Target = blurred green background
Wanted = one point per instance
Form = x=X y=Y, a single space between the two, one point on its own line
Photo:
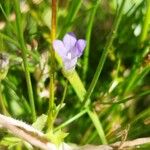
x=121 y=97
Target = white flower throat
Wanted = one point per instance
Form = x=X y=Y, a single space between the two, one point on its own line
x=69 y=55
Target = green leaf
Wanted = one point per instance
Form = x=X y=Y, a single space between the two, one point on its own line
x=9 y=141
x=57 y=137
x=40 y=122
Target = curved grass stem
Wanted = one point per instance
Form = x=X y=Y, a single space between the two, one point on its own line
x=98 y=126
x=62 y=100
x=24 y=56
x=109 y=42
x=80 y=114
x=88 y=38
x=143 y=36
x=74 y=8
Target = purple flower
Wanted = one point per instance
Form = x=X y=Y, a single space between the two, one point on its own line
x=69 y=49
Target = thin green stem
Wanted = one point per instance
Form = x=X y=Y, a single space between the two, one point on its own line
x=62 y=100
x=136 y=77
x=2 y=105
x=24 y=56
x=6 y=17
x=146 y=23
x=98 y=126
x=71 y=119
x=133 y=75
x=78 y=86
x=127 y=98
x=51 y=110
x=141 y=115
x=109 y=42
x=73 y=10
x=9 y=39
x=88 y=38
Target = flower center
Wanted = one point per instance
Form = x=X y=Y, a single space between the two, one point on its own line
x=69 y=55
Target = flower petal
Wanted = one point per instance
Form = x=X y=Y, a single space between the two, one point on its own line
x=74 y=52
x=69 y=64
x=80 y=45
x=69 y=41
x=59 y=47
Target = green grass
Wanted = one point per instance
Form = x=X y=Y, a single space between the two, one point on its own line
x=108 y=91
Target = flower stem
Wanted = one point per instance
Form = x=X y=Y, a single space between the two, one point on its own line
x=51 y=110
x=109 y=42
x=80 y=90
x=146 y=23
x=24 y=56
x=77 y=84
x=53 y=21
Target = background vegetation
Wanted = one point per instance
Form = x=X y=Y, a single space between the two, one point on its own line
x=117 y=35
